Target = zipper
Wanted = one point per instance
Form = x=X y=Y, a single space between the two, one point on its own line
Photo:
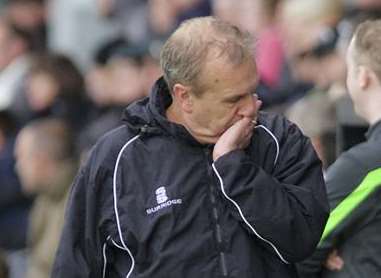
x=218 y=230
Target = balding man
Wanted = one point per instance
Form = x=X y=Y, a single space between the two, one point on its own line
x=197 y=183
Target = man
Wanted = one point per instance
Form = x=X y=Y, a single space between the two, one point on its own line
x=46 y=166
x=350 y=243
x=191 y=186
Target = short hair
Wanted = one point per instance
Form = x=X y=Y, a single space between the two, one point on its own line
x=63 y=71
x=53 y=137
x=367 y=44
x=187 y=50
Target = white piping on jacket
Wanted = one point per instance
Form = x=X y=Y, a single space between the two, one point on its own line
x=276 y=141
x=117 y=245
x=116 y=205
x=244 y=218
x=105 y=257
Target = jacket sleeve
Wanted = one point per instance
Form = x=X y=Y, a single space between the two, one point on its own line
x=79 y=253
x=286 y=209
x=348 y=184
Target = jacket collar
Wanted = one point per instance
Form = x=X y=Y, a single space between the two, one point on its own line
x=374 y=131
x=160 y=100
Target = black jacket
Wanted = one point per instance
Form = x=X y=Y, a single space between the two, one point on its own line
x=353 y=228
x=150 y=202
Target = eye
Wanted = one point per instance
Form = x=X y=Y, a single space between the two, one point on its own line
x=234 y=99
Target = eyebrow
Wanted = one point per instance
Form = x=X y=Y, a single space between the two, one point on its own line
x=251 y=90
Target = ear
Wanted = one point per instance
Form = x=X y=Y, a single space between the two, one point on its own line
x=364 y=77
x=183 y=97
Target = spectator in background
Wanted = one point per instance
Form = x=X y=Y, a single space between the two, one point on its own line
x=273 y=69
x=121 y=76
x=14 y=203
x=315 y=112
x=46 y=165
x=55 y=87
x=314 y=60
x=29 y=15
x=270 y=54
x=350 y=245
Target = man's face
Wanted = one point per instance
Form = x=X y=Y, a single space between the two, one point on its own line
x=228 y=97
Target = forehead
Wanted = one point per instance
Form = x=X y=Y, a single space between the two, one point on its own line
x=24 y=141
x=223 y=76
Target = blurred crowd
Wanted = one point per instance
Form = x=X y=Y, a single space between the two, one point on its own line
x=69 y=67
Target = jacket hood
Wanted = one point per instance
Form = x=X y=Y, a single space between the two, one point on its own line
x=148 y=114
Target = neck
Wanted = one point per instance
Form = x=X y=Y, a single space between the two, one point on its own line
x=173 y=115
x=374 y=119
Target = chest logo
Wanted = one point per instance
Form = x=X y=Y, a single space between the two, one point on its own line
x=163 y=201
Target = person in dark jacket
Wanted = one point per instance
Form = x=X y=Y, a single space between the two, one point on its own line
x=350 y=245
x=197 y=183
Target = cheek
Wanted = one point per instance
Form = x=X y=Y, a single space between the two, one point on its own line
x=351 y=83
x=30 y=178
x=228 y=116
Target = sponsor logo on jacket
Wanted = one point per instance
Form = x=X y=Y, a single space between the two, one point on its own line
x=163 y=201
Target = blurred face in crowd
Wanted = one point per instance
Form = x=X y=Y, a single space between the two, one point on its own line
x=41 y=92
x=98 y=85
x=27 y=15
x=29 y=162
x=124 y=71
x=226 y=97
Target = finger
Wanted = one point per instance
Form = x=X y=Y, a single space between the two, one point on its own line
x=246 y=140
x=334 y=262
x=259 y=104
x=339 y=263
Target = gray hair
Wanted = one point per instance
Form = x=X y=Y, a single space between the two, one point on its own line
x=187 y=50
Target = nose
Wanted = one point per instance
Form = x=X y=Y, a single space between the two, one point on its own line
x=249 y=106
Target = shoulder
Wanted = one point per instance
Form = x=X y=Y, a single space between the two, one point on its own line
x=280 y=127
x=282 y=140
x=103 y=155
x=356 y=163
